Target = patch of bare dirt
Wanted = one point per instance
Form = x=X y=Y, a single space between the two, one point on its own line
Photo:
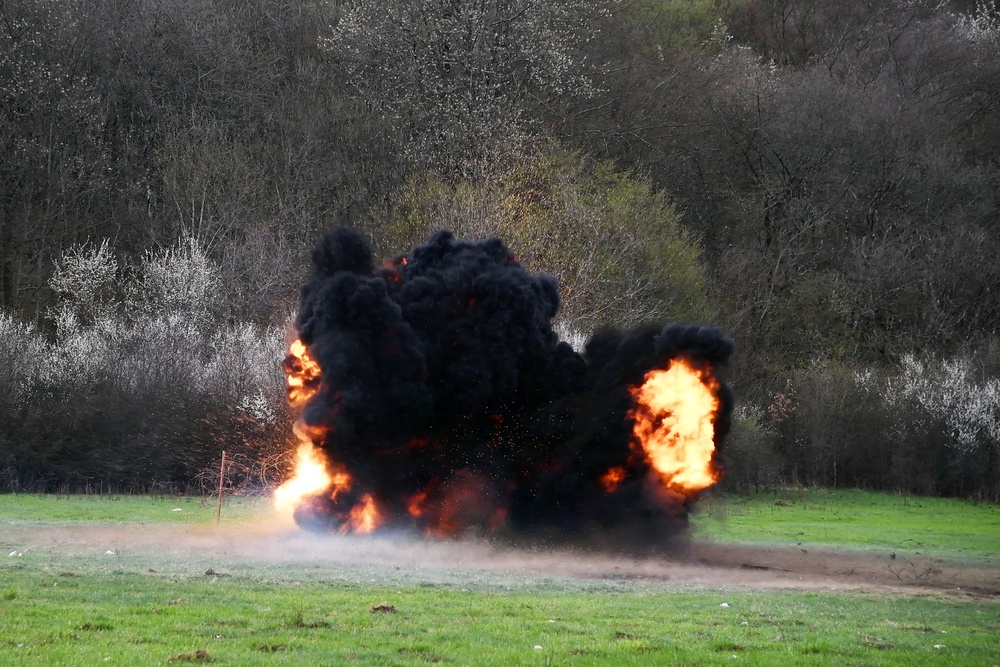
x=697 y=564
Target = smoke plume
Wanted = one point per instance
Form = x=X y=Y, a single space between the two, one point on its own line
x=450 y=401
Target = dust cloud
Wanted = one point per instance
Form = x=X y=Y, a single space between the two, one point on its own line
x=278 y=549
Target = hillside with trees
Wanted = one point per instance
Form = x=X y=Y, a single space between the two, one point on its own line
x=818 y=178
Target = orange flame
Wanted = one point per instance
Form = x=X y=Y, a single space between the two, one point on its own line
x=363 y=518
x=416 y=505
x=302 y=373
x=612 y=478
x=309 y=433
x=394 y=268
x=310 y=478
x=675 y=424
x=314 y=473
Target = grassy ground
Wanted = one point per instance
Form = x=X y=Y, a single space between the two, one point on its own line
x=63 y=605
x=120 y=509
x=944 y=527
x=258 y=617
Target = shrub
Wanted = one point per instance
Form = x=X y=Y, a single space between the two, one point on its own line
x=617 y=247
x=141 y=391
x=84 y=280
x=750 y=458
x=926 y=425
x=180 y=279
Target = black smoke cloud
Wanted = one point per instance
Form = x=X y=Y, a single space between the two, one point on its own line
x=449 y=399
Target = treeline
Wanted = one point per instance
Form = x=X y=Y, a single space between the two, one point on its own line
x=820 y=178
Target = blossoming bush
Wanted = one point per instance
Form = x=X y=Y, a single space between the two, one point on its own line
x=143 y=381
x=926 y=425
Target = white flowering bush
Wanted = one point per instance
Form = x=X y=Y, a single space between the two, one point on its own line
x=82 y=354
x=85 y=278
x=981 y=28
x=23 y=351
x=571 y=334
x=745 y=75
x=142 y=381
x=244 y=366
x=927 y=425
x=949 y=391
x=179 y=279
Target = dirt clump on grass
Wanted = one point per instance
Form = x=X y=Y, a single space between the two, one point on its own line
x=198 y=656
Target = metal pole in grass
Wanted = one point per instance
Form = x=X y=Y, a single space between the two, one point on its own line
x=222 y=478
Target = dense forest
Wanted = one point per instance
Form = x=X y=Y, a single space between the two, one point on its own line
x=818 y=178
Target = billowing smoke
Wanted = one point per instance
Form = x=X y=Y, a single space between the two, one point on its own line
x=450 y=401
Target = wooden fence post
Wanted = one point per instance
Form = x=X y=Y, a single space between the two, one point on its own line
x=222 y=478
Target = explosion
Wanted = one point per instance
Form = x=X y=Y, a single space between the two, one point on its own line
x=435 y=396
x=674 y=421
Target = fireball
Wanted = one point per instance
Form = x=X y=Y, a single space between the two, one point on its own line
x=310 y=478
x=315 y=475
x=674 y=424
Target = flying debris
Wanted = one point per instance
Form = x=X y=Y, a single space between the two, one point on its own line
x=435 y=396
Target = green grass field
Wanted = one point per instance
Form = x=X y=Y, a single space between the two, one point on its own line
x=119 y=509
x=65 y=604
x=943 y=527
